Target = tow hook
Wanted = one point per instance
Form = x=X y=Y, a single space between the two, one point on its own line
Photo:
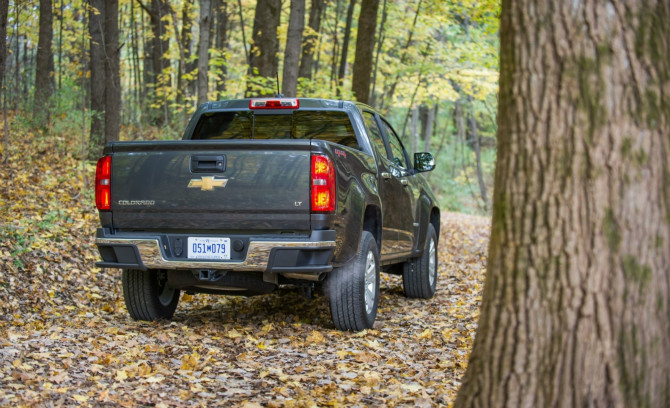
x=209 y=275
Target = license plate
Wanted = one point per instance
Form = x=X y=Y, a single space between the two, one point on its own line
x=208 y=248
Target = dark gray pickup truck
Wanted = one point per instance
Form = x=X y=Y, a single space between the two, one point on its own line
x=267 y=192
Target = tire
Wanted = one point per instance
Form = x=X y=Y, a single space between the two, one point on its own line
x=353 y=290
x=419 y=275
x=147 y=295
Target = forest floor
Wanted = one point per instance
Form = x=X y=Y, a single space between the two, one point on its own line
x=66 y=338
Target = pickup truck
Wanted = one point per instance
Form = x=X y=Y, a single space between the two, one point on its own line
x=264 y=193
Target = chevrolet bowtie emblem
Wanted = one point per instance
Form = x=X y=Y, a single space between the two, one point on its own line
x=207 y=183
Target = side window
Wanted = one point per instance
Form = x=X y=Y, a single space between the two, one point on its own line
x=396 y=147
x=375 y=134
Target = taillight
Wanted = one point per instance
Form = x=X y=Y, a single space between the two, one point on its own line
x=103 y=183
x=323 y=184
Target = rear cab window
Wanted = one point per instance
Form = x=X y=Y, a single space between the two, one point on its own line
x=330 y=126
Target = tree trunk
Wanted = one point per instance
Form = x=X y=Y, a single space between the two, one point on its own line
x=427 y=124
x=4 y=11
x=380 y=43
x=577 y=296
x=222 y=43
x=244 y=35
x=345 y=45
x=403 y=61
x=203 y=50
x=112 y=79
x=335 y=48
x=155 y=52
x=264 y=49
x=183 y=84
x=45 y=65
x=292 y=52
x=365 y=43
x=96 y=29
x=311 y=39
x=478 y=155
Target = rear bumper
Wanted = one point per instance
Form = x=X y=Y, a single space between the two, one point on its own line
x=299 y=258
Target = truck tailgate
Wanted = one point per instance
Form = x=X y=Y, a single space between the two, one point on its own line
x=207 y=185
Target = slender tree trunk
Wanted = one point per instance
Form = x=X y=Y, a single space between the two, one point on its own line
x=155 y=77
x=403 y=60
x=222 y=43
x=4 y=11
x=112 y=78
x=380 y=42
x=292 y=52
x=365 y=43
x=45 y=65
x=310 y=40
x=138 y=91
x=335 y=47
x=96 y=30
x=427 y=124
x=414 y=131
x=345 y=45
x=478 y=156
x=263 y=56
x=17 y=56
x=184 y=42
x=577 y=296
x=60 y=43
x=203 y=50
x=244 y=36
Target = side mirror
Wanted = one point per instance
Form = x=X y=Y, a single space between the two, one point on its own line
x=423 y=162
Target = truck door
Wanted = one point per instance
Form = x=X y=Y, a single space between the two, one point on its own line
x=395 y=192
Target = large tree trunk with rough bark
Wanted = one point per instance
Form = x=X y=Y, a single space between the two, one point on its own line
x=576 y=307
x=365 y=44
x=292 y=52
x=265 y=46
x=45 y=65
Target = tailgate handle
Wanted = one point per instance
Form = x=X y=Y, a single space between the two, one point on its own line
x=208 y=164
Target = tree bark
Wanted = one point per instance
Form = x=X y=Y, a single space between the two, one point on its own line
x=345 y=44
x=203 y=50
x=577 y=296
x=96 y=29
x=155 y=52
x=264 y=49
x=365 y=43
x=222 y=43
x=45 y=65
x=183 y=84
x=112 y=78
x=296 y=25
x=310 y=39
x=4 y=11
x=380 y=43
x=478 y=155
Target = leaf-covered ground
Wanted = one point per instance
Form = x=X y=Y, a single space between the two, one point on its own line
x=66 y=339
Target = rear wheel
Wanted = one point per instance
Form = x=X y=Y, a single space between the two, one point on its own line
x=147 y=294
x=419 y=276
x=353 y=290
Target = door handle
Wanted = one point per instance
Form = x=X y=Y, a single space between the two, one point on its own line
x=404 y=182
x=386 y=175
